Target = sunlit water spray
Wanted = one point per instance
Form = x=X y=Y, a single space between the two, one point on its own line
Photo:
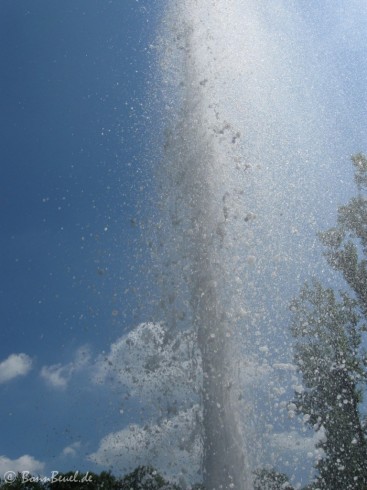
x=240 y=186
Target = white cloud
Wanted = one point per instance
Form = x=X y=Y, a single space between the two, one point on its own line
x=154 y=365
x=148 y=361
x=82 y=357
x=295 y=442
x=24 y=463
x=15 y=365
x=172 y=446
x=71 y=450
x=58 y=375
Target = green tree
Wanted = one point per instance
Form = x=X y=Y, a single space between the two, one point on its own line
x=142 y=478
x=271 y=480
x=346 y=244
x=328 y=329
x=19 y=483
x=146 y=478
x=328 y=356
x=81 y=481
x=107 y=481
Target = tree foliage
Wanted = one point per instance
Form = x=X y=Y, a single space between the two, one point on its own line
x=142 y=478
x=328 y=328
x=146 y=478
x=328 y=356
x=271 y=480
x=346 y=244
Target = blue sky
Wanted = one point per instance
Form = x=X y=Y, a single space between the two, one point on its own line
x=73 y=168
x=75 y=188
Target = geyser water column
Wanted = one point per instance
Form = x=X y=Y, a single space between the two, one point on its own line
x=202 y=201
x=234 y=187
